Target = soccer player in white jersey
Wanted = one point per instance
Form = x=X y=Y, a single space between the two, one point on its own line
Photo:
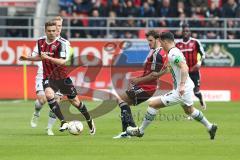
x=181 y=94
x=41 y=98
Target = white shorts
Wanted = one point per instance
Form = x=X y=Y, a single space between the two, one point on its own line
x=39 y=87
x=173 y=97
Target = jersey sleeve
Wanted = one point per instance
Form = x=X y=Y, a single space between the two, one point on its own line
x=35 y=51
x=159 y=61
x=64 y=51
x=176 y=56
x=200 y=49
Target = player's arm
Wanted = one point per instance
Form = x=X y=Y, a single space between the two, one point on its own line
x=64 y=54
x=35 y=56
x=28 y=58
x=58 y=61
x=158 y=70
x=184 y=74
x=200 y=56
x=159 y=74
x=179 y=61
x=144 y=79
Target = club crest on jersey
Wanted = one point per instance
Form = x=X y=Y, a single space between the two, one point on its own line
x=53 y=47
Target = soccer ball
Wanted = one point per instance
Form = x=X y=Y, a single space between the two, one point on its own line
x=75 y=127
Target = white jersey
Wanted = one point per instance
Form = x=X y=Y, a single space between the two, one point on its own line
x=39 y=63
x=174 y=57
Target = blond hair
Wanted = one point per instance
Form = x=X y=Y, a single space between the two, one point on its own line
x=58 y=18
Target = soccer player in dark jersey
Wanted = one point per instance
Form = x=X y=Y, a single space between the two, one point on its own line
x=41 y=98
x=193 y=52
x=142 y=87
x=54 y=54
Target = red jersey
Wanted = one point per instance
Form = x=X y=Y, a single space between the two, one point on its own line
x=190 y=50
x=56 y=49
x=156 y=61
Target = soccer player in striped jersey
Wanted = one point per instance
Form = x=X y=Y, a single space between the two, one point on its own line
x=181 y=94
x=144 y=86
x=194 y=53
x=41 y=98
x=54 y=54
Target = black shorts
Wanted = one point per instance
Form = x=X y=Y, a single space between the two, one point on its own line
x=65 y=86
x=195 y=76
x=138 y=95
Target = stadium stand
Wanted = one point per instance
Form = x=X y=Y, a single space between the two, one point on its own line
x=208 y=19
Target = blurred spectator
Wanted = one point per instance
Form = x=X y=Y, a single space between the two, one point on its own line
x=229 y=9
x=231 y=35
x=181 y=9
x=165 y=10
x=198 y=10
x=213 y=11
x=97 y=22
x=101 y=6
x=146 y=11
x=116 y=7
x=113 y=23
x=129 y=23
x=82 y=6
x=75 y=22
x=129 y=9
x=66 y=5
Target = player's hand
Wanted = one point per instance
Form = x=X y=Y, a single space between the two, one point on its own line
x=22 y=58
x=182 y=89
x=44 y=55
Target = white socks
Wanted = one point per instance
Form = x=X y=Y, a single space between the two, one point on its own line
x=51 y=122
x=149 y=117
x=198 y=116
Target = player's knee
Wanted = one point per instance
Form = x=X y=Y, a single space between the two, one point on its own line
x=49 y=94
x=153 y=104
x=196 y=90
x=188 y=110
x=42 y=100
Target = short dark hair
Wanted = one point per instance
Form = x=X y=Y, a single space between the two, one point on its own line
x=50 y=23
x=153 y=33
x=185 y=25
x=167 y=36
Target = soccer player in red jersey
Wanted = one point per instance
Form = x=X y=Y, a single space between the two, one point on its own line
x=193 y=52
x=142 y=87
x=54 y=54
x=41 y=98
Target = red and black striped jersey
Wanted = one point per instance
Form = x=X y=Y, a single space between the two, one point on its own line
x=156 y=61
x=57 y=49
x=190 y=50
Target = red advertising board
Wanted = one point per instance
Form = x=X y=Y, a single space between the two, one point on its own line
x=11 y=50
x=217 y=83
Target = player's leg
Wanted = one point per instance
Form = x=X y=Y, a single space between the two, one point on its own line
x=196 y=114
x=199 y=116
x=68 y=89
x=155 y=104
x=83 y=109
x=196 y=80
x=52 y=117
x=40 y=101
x=53 y=104
x=124 y=103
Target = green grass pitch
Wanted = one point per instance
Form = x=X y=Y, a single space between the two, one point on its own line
x=166 y=138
